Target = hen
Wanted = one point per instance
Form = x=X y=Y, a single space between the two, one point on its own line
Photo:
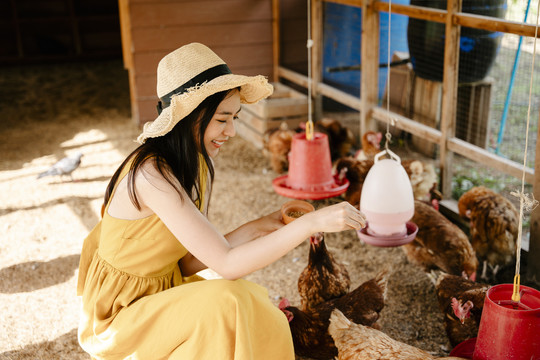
x=440 y=244
x=493 y=227
x=355 y=171
x=461 y=301
x=323 y=278
x=371 y=146
x=309 y=328
x=277 y=144
x=340 y=138
x=359 y=342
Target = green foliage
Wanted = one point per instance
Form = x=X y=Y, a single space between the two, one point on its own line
x=461 y=183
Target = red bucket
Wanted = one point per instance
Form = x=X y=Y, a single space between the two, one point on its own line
x=310 y=165
x=507 y=331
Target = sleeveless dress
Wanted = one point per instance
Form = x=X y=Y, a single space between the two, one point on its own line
x=137 y=305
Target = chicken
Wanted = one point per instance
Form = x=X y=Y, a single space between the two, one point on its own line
x=359 y=342
x=340 y=138
x=461 y=300
x=277 y=145
x=355 y=171
x=423 y=178
x=494 y=223
x=309 y=328
x=323 y=278
x=440 y=244
x=371 y=146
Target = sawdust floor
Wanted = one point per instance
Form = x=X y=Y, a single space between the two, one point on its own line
x=50 y=111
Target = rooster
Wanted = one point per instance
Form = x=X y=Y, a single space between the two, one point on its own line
x=371 y=145
x=277 y=145
x=355 y=171
x=493 y=227
x=461 y=300
x=309 y=328
x=358 y=342
x=440 y=244
x=340 y=138
x=323 y=278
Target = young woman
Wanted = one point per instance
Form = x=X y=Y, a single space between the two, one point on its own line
x=137 y=265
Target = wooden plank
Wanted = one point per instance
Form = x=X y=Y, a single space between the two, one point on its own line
x=275 y=39
x=249 y=134
x=317 y=24
x=494 y=24
x=369 y=82
x=533 y=265
x=413 y=127
x=449 y=95
x=125 y=32
x=285 y=102
x=162 y=14
x=212 y=35
x=261 y=125
x=489 y=159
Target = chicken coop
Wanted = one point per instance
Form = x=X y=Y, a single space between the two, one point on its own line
x=449 y=94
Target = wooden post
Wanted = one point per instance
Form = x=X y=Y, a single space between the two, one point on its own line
x=276 y=41
x=533 y=265
x=369 y=82
x=449 y=95
x=316 y=53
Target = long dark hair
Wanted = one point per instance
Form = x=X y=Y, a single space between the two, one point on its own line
x=175 y=154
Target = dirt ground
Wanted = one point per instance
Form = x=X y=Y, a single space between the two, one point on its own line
x=51 y=111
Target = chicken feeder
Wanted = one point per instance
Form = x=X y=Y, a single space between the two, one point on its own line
x=387 y=201
x=508 y=329
x=310 y=170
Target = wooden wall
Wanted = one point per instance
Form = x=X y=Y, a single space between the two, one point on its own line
x=239 y=31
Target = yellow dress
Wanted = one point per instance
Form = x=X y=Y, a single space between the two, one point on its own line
x=137 y=304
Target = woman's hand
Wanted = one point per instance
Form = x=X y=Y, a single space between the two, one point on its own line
x=335 y=218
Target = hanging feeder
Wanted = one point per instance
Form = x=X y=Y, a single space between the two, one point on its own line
x=310 y=170
x=387 y=201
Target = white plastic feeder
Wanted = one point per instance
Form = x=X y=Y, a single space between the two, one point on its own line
x=387 y=201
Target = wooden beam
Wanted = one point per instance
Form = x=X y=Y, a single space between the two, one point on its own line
x=533 y=265
x=449 y=95
x=125 y=32
x=413 y=127
x=417 y=12
x=275 y=38
x=369 y=80
x=494 y=24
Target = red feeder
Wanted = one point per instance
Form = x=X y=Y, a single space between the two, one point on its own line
x=509 y=330
x=310 y=170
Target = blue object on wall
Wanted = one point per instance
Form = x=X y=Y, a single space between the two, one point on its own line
x=342 y=44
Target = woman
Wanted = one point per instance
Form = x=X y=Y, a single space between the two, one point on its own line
x=139 y=301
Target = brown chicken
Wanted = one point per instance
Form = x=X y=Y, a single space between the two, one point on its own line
x=494 y=225
x=371 y=145
x=355 y=171
x=309 y=328
x=440 y=244
x=359 y=342
x=277 y=145
x=461 y=300
x=323 y=278
x=341 y=140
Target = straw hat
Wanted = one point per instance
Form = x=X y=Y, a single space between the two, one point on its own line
x=190 y=74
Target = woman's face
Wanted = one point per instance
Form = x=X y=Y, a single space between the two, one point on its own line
x=221 y=127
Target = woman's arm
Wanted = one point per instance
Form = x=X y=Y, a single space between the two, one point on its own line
x=230 y=261
x=255 y=229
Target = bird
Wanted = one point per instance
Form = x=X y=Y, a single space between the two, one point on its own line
x=355 y=171
x=341 y=139
x=309 y=328
x=371 y=145
x=323 y=278
x=461 y=300
x=423 y=179
x=360 y=342
x=494 y=224
x=64 y=166
x=277 y=145
x=440 y=244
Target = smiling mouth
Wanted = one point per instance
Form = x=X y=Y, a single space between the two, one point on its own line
x=218 y=143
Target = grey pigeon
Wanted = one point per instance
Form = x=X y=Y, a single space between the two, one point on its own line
x=64 y=166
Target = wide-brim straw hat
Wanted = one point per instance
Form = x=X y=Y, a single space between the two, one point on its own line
x=190 y=74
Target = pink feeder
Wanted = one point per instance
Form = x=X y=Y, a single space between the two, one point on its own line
x=387 y=200
x=509 y=330
x=310 y=170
